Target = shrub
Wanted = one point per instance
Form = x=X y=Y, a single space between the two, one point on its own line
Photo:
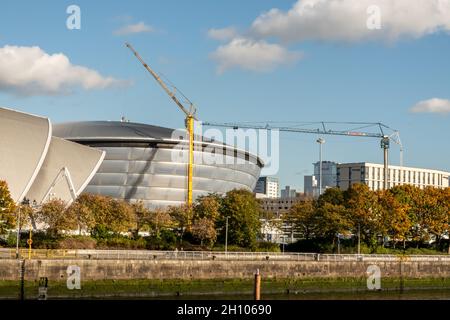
x=167 y=240
x=230 y=248
x=266 y=246
x=101 y=232
x=119 y=242
x=77 y=242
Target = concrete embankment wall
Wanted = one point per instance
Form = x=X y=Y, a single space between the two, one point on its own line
x=206 y=269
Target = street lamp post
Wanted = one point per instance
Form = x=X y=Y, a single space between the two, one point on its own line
x=359 y=239
x=18 y=235
x=25 y=201
x=339 y=243
x=320 y=141
x=226 y=235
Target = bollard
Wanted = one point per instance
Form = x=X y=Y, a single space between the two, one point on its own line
x=257 y=291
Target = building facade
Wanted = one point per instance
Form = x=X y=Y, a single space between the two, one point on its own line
x=273 y=228
x=310 y=186
x=372 y=175
x=287 y=192
x=280 y=206
x=329 y=173
x=329 y=178
x=267 y=187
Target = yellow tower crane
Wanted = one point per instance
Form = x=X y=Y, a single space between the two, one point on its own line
x=189 y=111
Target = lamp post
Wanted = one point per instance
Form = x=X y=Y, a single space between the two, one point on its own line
x=226 y=234
x=359 y=239
x=339 y=242
x=25 y=201
x=320 y=141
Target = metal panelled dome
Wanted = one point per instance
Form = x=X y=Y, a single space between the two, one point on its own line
x=143 y=162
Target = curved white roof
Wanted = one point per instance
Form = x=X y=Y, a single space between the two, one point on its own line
x=35 y=164
x=24 y=141
x=82 y=163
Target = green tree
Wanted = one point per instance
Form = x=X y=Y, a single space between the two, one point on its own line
x=243 y=210
x=7 y=208
x=333 y=219
x=303 y=218
x=207 y=207
x=334 y=196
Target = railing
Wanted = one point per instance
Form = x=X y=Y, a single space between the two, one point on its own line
x=210 y=255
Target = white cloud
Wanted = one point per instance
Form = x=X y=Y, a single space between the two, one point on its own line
x=346 y=20
x=133 y=28
x=32 y=71
x=434 y=105
x=223 y=34
x=252 y=55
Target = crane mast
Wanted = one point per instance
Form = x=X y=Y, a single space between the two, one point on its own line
x=189 y=121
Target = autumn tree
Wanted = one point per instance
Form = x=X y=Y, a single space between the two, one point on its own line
x=435 y=213
x=91 y=210
x=395 y=220
x=56 y=218
x=364 y=212
x=182 y=218
x=141 y=217
x=159 y=220
x=207 y=207
x=7 y=208
x=120 y=218
x=204 y=230
x=102 y=215
x=407 y=195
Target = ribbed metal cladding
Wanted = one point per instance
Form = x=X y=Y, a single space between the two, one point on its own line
x=145 y=168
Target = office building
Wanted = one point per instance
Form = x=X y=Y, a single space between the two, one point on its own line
x=267 y=187
x=372 y=174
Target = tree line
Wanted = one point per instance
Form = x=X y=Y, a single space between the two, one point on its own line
x=401 y=217
x=203 y=223
x=398 y=217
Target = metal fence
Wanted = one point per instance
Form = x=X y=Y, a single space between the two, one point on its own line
x=209 y=255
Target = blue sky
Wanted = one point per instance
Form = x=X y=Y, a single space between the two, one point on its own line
x=330 y=77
